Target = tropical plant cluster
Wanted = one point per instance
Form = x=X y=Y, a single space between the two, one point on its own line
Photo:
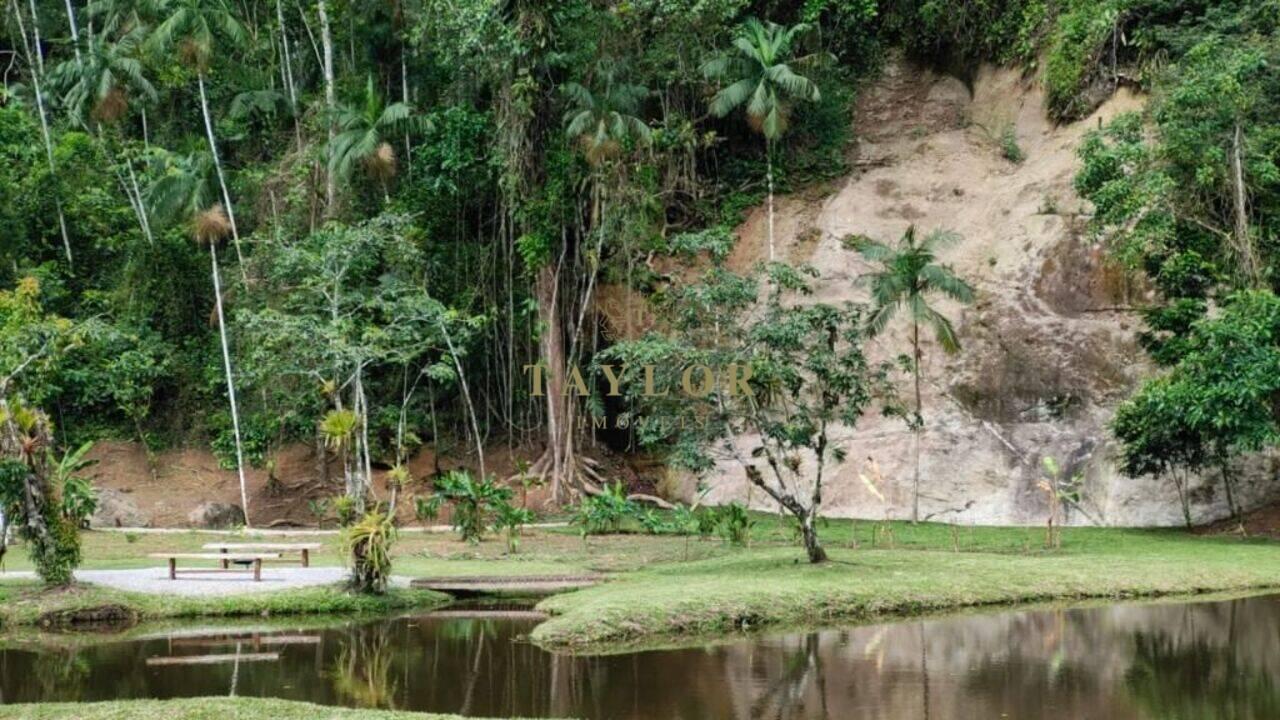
x=248 y=224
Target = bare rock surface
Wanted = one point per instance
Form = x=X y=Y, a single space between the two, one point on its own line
x=1050 y=343
x=117 y=509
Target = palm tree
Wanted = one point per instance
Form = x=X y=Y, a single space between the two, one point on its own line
x=760 y=76
x=363 y=137
x=190 y=26
x=907 y=275
x=96 y=87
x=185 y=191
x=35 y=61
x=601 y=123
x=97 y=84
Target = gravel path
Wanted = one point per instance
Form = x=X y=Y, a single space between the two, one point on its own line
x=156 y=580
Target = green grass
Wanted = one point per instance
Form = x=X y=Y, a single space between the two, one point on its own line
x=219 y=708
x=27 y=602
x=922 y=572
x=665 y=587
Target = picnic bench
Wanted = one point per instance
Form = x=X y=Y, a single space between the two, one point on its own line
x=278 y=548
x=252 y=560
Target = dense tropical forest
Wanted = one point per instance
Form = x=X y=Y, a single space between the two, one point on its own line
x=363 y=225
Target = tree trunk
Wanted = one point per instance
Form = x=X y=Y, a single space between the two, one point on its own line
x=919 y=424
x=812 y=548
x=36 y=61
x=217 y=166
x=75 y=32
x=1229 y=486
x=559 y=430
x=768 y=159
x=1244 y=244
x=231 y=386
x=330 y=104
x=1184 y=498
x=466 y=396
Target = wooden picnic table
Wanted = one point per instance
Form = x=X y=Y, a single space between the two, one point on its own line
x=278 y=548
x=253 y=559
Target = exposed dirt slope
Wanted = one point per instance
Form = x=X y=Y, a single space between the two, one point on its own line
x=1049 y=345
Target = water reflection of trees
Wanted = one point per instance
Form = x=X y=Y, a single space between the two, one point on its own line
x=1198 y=680
x=362 y=673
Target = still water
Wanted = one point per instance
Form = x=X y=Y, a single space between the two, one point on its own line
x=1161 y=661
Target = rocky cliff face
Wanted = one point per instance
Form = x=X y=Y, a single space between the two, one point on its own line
x=1049 y=345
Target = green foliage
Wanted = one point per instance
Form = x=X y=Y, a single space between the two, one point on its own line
x=344 y=509
x=426 y=509
x=797 y=369
x=601 y=514
x=1009 y=147
x=734 y=523
x=319 y=509
x=79 y=501
x=1215 y=402
x=905 y=276
x=472 y=502
x=510 y=520
x=604 y=513
x=368 y=544
x=760 y=76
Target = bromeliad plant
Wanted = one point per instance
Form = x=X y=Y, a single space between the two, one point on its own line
x=368 y=544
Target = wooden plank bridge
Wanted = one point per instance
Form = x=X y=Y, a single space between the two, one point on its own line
x=469 y=586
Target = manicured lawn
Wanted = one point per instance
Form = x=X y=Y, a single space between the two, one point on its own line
x=923 y=571
x=25 y=602
x=202 y=709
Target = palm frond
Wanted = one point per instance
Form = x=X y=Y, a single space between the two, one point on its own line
x=942 y=279
x=942 y=329
x=733 y=96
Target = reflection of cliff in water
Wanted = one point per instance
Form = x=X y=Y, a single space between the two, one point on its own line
x=1186 y=661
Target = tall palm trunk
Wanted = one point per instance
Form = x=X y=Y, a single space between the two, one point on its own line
x=330 y=103
x=290 y=86
x=217 y=166
x=768 y=160
x=919 y=428
x=75 y=31
x=231 y=385
x=36 y=61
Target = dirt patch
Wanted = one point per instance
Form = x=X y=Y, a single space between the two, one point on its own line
x=186 y=478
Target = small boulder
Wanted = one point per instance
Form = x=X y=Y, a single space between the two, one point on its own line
x=116 y=509
x=216 y=516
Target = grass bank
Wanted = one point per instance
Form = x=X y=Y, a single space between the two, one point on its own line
x=27 y=602
x=928 y=568
x=219 y=708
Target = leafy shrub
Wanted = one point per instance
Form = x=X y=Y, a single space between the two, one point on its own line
x=368 y=544
x=1009 y=147
x=706 y=520
x=512 y=519
x=734 y=524
x=426 y=509
x=472 y=501
x=604 y=513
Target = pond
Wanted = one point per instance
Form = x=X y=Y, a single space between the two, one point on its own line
x=1166 y=660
